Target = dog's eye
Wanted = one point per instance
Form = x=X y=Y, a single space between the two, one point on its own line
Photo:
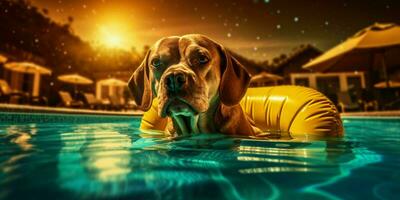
x=203 y=59
x=156 y=62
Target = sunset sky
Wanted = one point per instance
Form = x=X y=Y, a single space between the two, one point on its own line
x=259 y=29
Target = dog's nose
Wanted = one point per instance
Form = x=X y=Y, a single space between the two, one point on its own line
x=175 y=81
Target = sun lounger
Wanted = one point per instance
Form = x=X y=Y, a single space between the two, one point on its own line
x=116 y=102
x=66 y=100
x=7 y=95
x=345 y=102
x=91 y=101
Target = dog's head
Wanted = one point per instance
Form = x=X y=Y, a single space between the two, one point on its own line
x=186 y=73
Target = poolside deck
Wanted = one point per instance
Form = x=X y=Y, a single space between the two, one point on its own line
x=45 y=109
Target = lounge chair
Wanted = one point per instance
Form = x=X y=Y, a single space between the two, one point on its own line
x=389 y=98
x=66 y=100
x=7 y=95
x=91 y=101
x=131 y=104
x=368 y=100
x=345 y=102
x=116 y=102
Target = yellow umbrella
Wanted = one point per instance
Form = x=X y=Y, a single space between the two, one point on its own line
x=3 y=59
x=27 y=67
x=30 y=68
x=383 y=84
x=113 y=82
x=377 y=45
x=76 y=80
x=266 y=76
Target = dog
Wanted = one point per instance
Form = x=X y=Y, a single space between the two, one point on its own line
x=198 y=85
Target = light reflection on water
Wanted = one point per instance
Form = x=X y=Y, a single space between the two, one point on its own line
x=72 y=160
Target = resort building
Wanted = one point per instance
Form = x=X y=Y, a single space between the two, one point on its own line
x=290 y=68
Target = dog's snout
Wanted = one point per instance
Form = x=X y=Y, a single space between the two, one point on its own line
x=175 y=81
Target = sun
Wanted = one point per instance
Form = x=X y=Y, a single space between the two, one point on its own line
x=113 y=40
x=111 y=36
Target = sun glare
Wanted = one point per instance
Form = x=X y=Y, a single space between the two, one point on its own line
x=112 y=40
x=114 y=36
x=111 y=36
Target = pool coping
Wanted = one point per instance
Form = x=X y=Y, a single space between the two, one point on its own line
x=390 y=114
x=60 y=110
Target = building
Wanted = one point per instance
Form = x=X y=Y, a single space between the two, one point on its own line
x=290 y=68
x=251 y=66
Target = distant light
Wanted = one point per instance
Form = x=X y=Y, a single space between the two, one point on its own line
x=229 y=35
x=113 y=35
x=296 y=19
x=278 y=26
x=266 y=1
x=113 y=40
x=326 y=23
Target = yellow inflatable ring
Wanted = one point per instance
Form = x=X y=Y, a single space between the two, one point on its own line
x=294 y=109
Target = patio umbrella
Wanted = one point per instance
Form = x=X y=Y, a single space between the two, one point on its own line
x=375 y=46
x=383 y=84
x=30 y=68
x=265 y=76
x=113 y=82
x=76 y=80
x=110 y=82
x=27 y=67
x=3 y=59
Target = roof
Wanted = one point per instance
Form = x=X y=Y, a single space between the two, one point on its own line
x=360 y=50
x=252 y=66
x=265 y=76
x=296 y=52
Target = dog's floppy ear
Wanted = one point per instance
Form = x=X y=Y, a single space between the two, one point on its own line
x=235 y=79
x=140 y=86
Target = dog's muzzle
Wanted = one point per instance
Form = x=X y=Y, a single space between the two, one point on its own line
x=175 y=82
x=177 y=86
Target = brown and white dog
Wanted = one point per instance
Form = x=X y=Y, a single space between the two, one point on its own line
x=198 y=84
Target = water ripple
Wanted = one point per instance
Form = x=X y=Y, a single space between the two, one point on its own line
x=105 y=160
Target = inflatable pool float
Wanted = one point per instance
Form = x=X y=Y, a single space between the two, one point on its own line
x=293 y=109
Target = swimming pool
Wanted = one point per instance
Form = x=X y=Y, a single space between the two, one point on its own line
x=83 y=156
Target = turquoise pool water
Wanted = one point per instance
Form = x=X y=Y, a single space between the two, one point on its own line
x=78 y=158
